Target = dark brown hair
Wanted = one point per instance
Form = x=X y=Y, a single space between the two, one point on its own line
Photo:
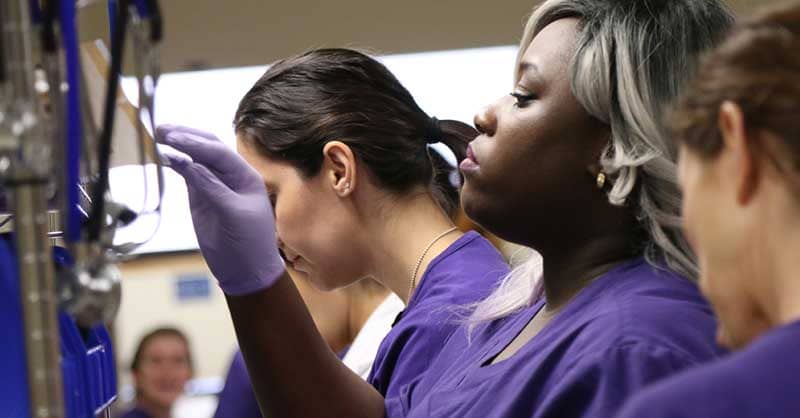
x=305 y=101
x=160 y=332
x=758 y=68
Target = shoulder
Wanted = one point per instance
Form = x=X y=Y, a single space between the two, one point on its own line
x=713 y=388
x=473 y=255
x=645 y=306
x=754 y=382
x=466 y=272
x=598 y=384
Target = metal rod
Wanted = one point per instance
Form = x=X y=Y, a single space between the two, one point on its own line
x=39 y=301
x=17 y=47
x=26 y=178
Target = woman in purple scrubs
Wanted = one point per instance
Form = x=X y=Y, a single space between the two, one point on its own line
x=574 y=163
x=739 y=134
x=357 y=191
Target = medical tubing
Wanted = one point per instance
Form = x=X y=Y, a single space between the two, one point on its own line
x=97 y=217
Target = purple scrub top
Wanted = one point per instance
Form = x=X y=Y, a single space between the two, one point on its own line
x=465 y=273
x=237 y=399
x=628 y=328
x=760 y=381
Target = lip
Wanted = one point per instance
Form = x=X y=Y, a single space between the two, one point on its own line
x=471 y=155
x=296 y=264
x=470 y=163
x=290 y=261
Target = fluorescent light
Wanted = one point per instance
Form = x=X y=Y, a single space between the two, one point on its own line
x=446 y=84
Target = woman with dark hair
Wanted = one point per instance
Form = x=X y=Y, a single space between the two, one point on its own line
x=739 y=134
x=345 y=154
x=575 y=163
x=161 y=366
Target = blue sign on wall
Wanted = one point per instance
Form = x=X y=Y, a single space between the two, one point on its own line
x=193 y=287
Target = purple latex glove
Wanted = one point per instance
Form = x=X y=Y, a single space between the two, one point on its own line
x=230 y=208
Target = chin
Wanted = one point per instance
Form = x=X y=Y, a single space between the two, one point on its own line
x=498 y=220
x=731 y=339
x=476 y=207
x=323 y=285
x=166 y=402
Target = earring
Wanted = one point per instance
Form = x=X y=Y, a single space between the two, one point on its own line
x=601 y=180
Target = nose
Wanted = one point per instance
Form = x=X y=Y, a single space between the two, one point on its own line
x=486 y=120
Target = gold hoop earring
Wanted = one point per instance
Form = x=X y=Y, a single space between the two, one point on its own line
x=601 y=180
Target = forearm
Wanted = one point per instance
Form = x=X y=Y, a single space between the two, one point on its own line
x=294 y=372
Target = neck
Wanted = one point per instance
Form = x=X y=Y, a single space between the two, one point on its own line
x=153 y=409
x=779 y=267
x=568 y=271
x=362 y=302
x=401 y=234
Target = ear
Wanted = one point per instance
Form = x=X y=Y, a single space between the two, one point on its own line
x=594 y=155
x=339 y=165
x=740 y=164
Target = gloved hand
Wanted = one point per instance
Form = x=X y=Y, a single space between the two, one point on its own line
x=230 y=208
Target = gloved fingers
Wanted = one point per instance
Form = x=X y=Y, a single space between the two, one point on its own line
x=174 y=160
x=180 y=128
x=203 y=148
x=199 y=179
x=198 y=147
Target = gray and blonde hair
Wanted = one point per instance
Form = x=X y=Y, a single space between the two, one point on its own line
x=632 y=58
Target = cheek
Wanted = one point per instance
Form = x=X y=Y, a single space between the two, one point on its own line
x=689 y=212
x=317 y=228
x=704 y=233
x=146 y=381
x=706 y=219
x=496 y=192
x=727 y=288
x=717 y=242
x=185 y=373
x=295 y=216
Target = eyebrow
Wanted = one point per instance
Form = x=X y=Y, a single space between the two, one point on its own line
x=527 y=66
x=528 y=70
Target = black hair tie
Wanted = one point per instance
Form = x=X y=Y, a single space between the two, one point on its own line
x=433 y=133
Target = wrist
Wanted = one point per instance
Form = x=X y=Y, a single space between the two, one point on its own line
x=257 y=283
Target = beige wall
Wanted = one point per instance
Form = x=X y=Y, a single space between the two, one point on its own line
x=149 y=300
x=229 y=33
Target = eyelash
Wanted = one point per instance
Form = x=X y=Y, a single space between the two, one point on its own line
x=522 y=99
